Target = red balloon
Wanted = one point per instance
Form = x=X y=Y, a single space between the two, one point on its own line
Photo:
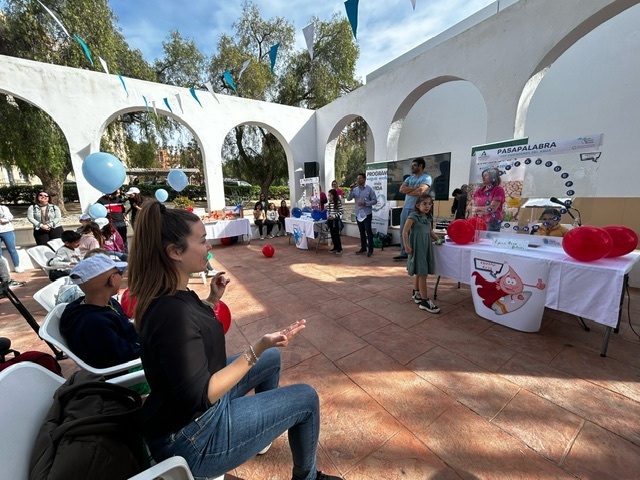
x=128 y=303
x=268 y=251
x=226 y=241
x=624 y=239
x=223 y=314
x=478 y=223
x=587 y=243
x=461 y=231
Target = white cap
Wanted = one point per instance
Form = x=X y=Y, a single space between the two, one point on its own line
x=92 y=267
x=85 y=216
x=132 y=190
x=102 y=222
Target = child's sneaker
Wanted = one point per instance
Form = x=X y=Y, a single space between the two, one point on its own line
x=416 y=296
x=429 y=306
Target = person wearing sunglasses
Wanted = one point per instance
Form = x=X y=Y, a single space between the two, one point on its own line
x=45 y=218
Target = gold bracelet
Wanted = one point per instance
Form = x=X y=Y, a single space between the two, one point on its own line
x=253 y=353
x=249 y=359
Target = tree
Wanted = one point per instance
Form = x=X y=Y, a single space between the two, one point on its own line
x=28 y=137
x=250 y=152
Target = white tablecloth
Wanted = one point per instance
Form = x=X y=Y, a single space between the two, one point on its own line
x=590 y=290
x=228 y=228
x=304 y=225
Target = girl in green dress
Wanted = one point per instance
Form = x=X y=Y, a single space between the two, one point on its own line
x=417 y=236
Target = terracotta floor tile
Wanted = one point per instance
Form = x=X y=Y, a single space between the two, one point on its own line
x=409 y=398
x=402 y=457
x=339 y=308
x=362 y=322
x=533 y=344
x=398 y=343
x=482 y=391
x=601 y=455
x=477 y=449
x=589 y=401
x=545 y=427
x=322 y=332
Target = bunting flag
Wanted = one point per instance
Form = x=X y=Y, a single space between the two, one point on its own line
x=124 y=85
x=227 y=78
x=84 y=47
x=413 y=2
x=193 y=94
x=166 y=102
x=273 y=53
x=146 y=104
x=352 y=14
x=55 y=18
x=309 y=34
x=153 y=104
x=104 y=65
x=244 y=67
x=179 y=102
x=210 y=90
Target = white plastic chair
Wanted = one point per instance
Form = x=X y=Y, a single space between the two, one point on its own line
x=55 y=243
x=41 y=254
x=50 y=332
x=47 y=296
x=26 y=393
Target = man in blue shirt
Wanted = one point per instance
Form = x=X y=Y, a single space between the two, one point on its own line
x=414 y=186
x=365 y=198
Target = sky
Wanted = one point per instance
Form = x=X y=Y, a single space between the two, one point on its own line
x=386 y=28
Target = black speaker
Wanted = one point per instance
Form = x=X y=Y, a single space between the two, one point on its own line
x=395 y=216
x=311 y=169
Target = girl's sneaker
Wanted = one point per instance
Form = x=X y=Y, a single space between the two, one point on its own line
x=429 y=306
x=416 y=296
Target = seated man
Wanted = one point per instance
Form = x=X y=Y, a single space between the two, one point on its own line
x=95 y=326
x=551 y=224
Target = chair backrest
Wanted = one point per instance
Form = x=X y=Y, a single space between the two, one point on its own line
x=41 y=254
x=50 y=332
x=47 y=296
x=26 y=394
x=55 y=243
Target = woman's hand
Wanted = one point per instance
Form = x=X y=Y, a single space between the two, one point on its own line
x=217 y=287
x=281 y=338
x=408 y=249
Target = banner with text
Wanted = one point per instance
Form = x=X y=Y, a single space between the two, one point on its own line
x=377 y=179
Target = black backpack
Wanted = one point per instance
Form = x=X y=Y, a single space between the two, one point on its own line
x=91 y=431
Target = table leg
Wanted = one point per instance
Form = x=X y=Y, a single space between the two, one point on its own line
x=607 y=333
x=435 y=289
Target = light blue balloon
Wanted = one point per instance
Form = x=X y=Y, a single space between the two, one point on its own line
x=177 y=180
x=97 y=210
x=162 y=195
x=104 y=172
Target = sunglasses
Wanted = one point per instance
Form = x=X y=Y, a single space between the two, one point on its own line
x=43 y=195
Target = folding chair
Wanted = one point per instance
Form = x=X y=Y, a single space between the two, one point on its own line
x=55 y=243
x=47 y=296
x=41 y=254
x=26 y=393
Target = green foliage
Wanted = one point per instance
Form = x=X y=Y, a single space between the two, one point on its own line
x=17 y=194
x=182 y=202
x=182 y=65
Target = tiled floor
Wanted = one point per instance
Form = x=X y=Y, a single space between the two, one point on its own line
x=410 y=395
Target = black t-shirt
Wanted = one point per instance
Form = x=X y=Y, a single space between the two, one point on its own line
x=182 y=347
x=115 y=207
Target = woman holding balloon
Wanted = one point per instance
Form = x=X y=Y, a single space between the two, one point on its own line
x=45 y=218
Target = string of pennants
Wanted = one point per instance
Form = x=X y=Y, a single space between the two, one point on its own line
x=351 y=7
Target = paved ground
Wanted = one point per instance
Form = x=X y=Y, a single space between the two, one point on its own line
x=410 y=395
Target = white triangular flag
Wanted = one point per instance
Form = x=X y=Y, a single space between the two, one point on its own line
x=244 y=67
x=104 y=65
x=179 y=102
x=153 y=104
x=210 y=89
x=309 y=32
x=55 y=18
x=413 y=2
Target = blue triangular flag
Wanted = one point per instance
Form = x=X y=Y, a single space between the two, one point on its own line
x=84 y=47
x=123 y=84
x=193 y=94
x=229 y=80
x=352 y=14
x=166 y=102
x=146 y=104
x=273 y=53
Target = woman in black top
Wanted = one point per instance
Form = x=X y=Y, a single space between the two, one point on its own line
x=198 y=407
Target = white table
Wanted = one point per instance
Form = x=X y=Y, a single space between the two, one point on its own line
x=228 y=228
x=308 y=227
x=591 y=290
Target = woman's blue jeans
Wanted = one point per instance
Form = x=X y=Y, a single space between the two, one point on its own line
x=237 y=427
x=9 y=239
